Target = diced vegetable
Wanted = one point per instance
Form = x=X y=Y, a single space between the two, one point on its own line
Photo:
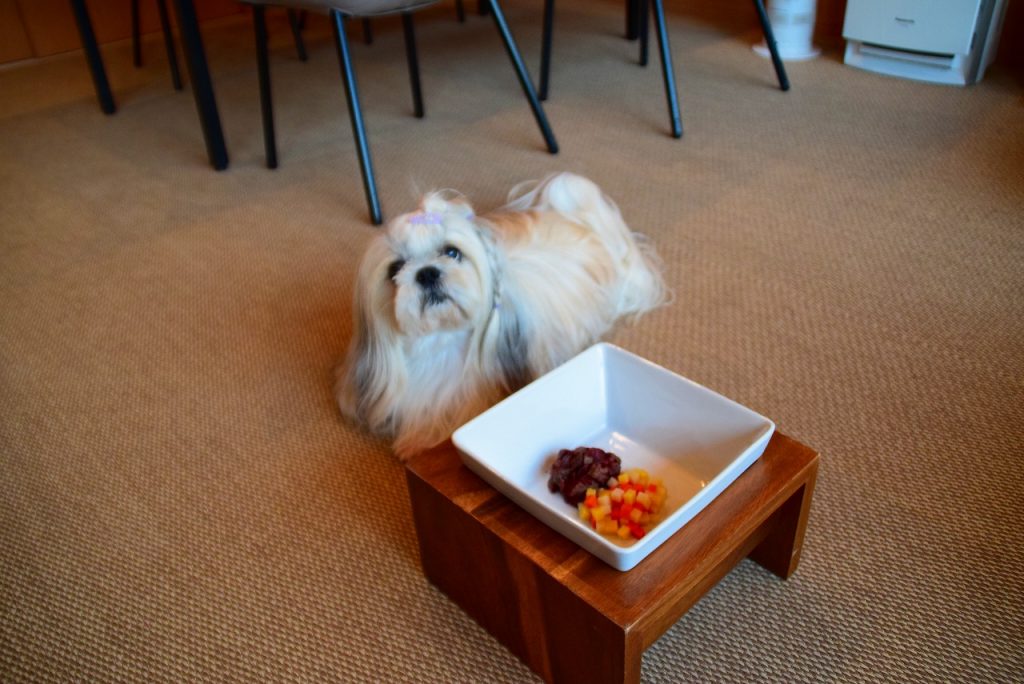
x=628 y=507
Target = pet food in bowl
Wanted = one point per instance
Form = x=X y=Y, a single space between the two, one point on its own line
x=577 y=470
x=628 y=507
x=696 y=441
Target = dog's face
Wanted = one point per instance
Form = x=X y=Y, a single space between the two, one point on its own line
x=431 y=270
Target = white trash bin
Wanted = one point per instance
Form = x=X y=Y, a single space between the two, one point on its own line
x=793 y=25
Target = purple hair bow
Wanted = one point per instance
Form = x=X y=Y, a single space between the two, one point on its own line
x=426 y=218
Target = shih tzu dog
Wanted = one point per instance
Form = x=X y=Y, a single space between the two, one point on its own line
x=454 y=311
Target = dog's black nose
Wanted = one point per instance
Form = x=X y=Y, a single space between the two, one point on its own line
x=428 y=276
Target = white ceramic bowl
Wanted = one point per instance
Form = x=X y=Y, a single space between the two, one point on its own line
x=695 y=440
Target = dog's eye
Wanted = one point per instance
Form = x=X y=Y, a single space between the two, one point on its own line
x=452 y=252
x=395 y=267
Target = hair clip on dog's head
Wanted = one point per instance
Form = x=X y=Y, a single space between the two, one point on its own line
x=426 y=218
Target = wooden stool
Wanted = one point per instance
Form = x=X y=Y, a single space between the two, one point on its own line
x=566 y=613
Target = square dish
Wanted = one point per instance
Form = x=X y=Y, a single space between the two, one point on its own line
x=697 y=441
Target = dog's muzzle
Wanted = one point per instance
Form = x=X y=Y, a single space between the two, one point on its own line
x=429 y=280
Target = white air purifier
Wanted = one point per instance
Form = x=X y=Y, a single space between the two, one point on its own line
x=939 y=41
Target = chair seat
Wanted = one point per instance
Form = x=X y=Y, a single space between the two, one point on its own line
x=353 y=8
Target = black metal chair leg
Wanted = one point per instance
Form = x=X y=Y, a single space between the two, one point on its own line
x=172 y=56
x=481 y=7
x=643 y=19
x=92 y=56
x=367 y=32
x=259 y=23
x=632 y=9
x=460 y=11
x=136 y=31
x=356 y=115
x=523 y=74
x=667 y=70
x=769 y=39
x=300 y=44
x=414 y=65
x=202 y=84
x=545 y=48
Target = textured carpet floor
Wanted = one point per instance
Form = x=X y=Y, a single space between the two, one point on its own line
x=180 y=501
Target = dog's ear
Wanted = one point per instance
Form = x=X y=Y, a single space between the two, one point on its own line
x=363 y=381
x=447 y=202
x=511 y=350
x=373 y=370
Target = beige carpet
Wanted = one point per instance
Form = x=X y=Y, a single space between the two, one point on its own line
x=180 y=501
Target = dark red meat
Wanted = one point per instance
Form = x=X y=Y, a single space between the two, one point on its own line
x=575 y=471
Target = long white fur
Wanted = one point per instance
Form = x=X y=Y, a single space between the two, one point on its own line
x=535 y=282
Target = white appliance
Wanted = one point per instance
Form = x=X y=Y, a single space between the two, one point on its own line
x=941 y=41
x=792 y=24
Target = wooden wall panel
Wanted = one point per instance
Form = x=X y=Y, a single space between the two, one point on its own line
x=828 y=23
x=51 y=26
x=1010 y=40
x=14 y=42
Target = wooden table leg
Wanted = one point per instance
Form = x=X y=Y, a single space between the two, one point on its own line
x=537 y=618
x=779 y=551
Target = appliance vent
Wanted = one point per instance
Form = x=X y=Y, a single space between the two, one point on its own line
x=931 y=59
